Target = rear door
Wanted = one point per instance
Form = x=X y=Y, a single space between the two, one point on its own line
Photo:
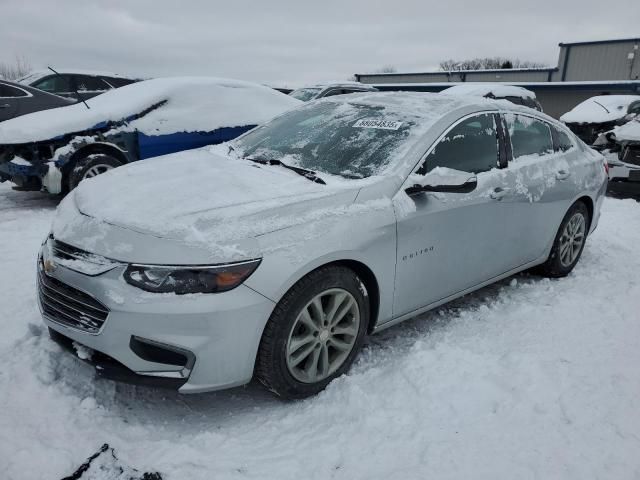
x=449 y=242
x=541 y=182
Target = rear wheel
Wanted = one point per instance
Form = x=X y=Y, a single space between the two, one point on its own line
x=91 y=166
x=314 y=333
x=569 y=242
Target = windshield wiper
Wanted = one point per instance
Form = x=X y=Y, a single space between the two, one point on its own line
x=308 y=174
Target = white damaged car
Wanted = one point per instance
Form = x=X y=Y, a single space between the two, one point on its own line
x=274 y=255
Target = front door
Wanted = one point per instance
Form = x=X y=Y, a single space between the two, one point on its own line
x=449 y=242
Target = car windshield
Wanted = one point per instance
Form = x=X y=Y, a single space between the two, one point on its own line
x=347 y=139
x=305 y=94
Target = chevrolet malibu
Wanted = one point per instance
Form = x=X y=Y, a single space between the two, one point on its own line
x=272 y=257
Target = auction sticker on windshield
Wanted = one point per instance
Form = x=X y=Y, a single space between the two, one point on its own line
x=372 y=123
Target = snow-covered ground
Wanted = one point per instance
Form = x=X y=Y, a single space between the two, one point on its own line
x=529 y=378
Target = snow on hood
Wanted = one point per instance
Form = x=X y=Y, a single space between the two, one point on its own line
x=600 y=109
x=192 y=104
x=201 y=198
x=629 y=132
x=483 y=89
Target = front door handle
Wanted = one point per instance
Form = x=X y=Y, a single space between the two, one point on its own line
x=6 y=105
x=498 y=193
x=562 y=174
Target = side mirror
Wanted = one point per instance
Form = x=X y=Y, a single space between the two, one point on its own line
x=442 y=179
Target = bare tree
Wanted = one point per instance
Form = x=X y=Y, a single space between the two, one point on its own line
x=487 y=63
x=18 y=68
x=386 y=69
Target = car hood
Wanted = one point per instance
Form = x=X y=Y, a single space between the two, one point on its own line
x=213 y=203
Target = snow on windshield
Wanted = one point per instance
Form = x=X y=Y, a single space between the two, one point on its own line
x=355 y=139
x=305 y=94
x=191 y=104
x=599 y=109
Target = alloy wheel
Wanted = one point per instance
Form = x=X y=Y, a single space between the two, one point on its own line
x=323 y=335
x=96 y=170
x=572 y=239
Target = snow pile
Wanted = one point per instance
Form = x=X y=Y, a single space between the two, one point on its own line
x=184 y=104
x=600 y=109
x=498 y=90
x=629 y=132
x=533 y=378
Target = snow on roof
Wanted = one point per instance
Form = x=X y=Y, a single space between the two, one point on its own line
x=484 y=89
x=630 y=131
x=36 y=75
x=599 y=109
x=192 y=104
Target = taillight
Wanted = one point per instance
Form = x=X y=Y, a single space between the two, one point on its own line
x=606 y=167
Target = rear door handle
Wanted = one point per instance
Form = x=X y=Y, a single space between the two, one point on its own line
x=562 y=174
x=6 y=105
x=498 y=193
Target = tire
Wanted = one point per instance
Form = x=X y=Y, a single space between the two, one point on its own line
x=293 y=330
x=561 y=261
x=90 y=166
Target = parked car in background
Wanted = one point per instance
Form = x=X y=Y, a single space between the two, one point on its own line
x=67 y=82
x=600 y=114
x=17 y=99
x=55 y=150
x=621 y=147
x=328 y=90
x=276 y=254
x=497 y=91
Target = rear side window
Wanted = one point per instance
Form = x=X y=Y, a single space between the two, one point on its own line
x=529 y=136
x=7 y=91
x=85 y=83
x=55 y=84
x=118 y=82
x=561 y=140
x=471 y=146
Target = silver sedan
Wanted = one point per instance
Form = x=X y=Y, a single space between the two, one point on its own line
x=273 y=256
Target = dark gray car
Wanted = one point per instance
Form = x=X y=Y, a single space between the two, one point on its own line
x=67 y=83
x=17 y=99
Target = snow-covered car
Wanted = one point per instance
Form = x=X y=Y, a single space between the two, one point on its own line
x=314 y=92
x=17 y=99
x=55 y=150
x=497 y=91
x=621 y=147
x=70 y=82
x=276 y=254
x=600 y=114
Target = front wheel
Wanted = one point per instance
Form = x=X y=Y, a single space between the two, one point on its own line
x=569 y=242
x=91 y=166
x=314 y=333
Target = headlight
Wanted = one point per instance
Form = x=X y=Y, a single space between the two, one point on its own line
x=189 y=279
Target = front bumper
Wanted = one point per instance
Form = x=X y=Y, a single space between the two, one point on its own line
x=220 y=333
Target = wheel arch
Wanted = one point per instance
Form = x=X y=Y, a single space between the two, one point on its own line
x=588 y=201
x=99 y=147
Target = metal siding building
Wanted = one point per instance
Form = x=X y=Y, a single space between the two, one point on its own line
x=584 y=69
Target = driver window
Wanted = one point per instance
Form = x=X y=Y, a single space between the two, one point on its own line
x=471 y=146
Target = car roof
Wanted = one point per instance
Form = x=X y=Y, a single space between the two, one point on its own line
x=362 y=86
x=36 y=75
x=430 y=105
x=495 y=89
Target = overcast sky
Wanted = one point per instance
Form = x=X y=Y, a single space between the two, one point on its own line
x=297 y=42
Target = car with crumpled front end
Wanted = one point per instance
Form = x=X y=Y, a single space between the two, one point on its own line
x=55 y=150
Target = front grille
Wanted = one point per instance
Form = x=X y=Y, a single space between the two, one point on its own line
x=69 y=306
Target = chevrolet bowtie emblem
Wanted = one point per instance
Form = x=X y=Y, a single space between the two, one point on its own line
x=49 y=266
